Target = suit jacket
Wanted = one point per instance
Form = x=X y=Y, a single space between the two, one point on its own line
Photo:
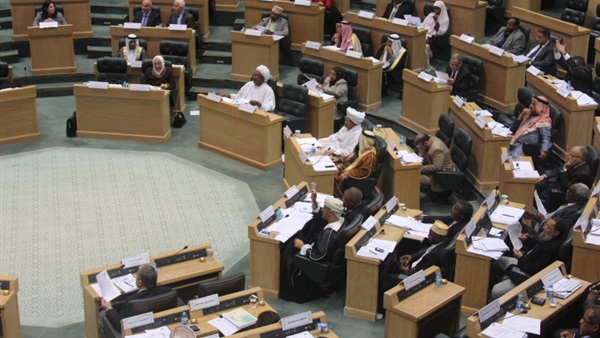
x=544 y=60
x=434 y=257
x=580 y=76
x=453 y=231
x=437 y=158
x=403 y=9
x=154 y=18
x=187 y=19
x=115 y=317
x=463 y=79
x=281 y=25
x=542 y=255
x=515 y=42
x=564 y=179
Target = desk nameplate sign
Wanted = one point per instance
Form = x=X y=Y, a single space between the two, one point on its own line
x=113 y=273
x=365 y=238
x=469 y=230
x=158 y=322
x=291 y=191
x=267 y=216
x=496 y=50
x=132 y=25
x=504 y=308
x=98 y=85
x=299 y=195
x=51 y=24
x=354 y=54
x=136 y=260
x=489 y=310
x=204 y=302
x=302 y=3
x=214 y=97
x=401 y=22
x=229 y=304
x=136 y=321
x=297 y=320
x=136 y=87
x=466 y=38
x=287 y=132
x=403 y=294
x=278 y=333
x=174 y=27
x=366 y=14
x=369 y=223
x=391 y=206
x=313 y=45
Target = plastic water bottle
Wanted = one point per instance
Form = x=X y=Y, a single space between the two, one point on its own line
x=515 y=156
x=519 y=306
x=550 y=295
x=184 y=319
x=438 y=279
x=402 y=140
x=278 y=214
x=569 y=85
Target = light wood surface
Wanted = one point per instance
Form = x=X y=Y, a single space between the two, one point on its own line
x=397 y=178
x=532 y=5
x=52 y=50
x=166 y=7
x=501 y=75
x=596 y=133
x=9 y=309
x=576 y=37
x=254 y=139
x=422 y=103
x=180 y=276
x=77 y=13
x=544 y=312
x=576 y=120
x=519 y=190
x=295 y=171
x=18 y=115
x=429 y=311
x=362 y=278
x=415 y=38
x=368 y=90
x=483 y=169
x=122 y=114
x=227 y=5
x=299 y=19
x=153 y=37
x=249 y=52
x=275 y=328
x=586 y=255
x=467 y=17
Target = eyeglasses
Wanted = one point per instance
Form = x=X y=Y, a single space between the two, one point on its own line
x=547 y=226
x=453 y=64
x=585 y=320
x=572 y=155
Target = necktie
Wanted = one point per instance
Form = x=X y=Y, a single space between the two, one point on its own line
x=535 y=52
x=179 y=19
x=453 y=74
x=393 y=13
x=145 y=19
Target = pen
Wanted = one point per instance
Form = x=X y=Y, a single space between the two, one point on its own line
x=508 y=215
x=329 y=166
x=127 y=283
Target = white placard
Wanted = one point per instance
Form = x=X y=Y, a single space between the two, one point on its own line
x=299 y=319
x=391 y=144
x=267 y=213
x=139 y=320
x=562 y=91
x=389 y=205
x=583 y=222
x=136 y=64
x=293 y=190
x=136 y=87
x=552 y=277
x=413 y=280
x=369 y=223
x=303 y=157
x=466 y=38
x=98 y=85
x=504 y=157
x=50 y=24
x=425 y=76
x=366 y=14
x=214 y=97
x=252 y=32
x=135 y=260
x=490 y=201
x=204 y=302
x=175 y=27
x=401 y=22
x=302 y=2
x=489 y=310
x=533 y=71
x=313 y=45
x=247 y=107
x=496 y=50
x=353 y=54
x=480 y=121
x=596 y=190
x=287 y=132
x=132 y=25
x=469 y=228
x=458 y=101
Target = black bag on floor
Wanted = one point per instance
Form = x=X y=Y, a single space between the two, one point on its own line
x=72 y=125
x=178 y=120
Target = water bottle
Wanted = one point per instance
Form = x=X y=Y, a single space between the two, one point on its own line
x=184 y=319
x=550 y=295
x=402 y=140
x=515 y=156
x=519 y=305
x=438 y=279
x=569 y=85
x=278 y=214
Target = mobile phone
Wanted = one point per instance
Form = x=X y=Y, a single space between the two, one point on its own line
x=195 y=328
x=379 y=250
x=538 y=301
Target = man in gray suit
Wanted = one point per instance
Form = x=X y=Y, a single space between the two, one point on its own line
x=180 y=16
x=542 y=52
x=510 y=38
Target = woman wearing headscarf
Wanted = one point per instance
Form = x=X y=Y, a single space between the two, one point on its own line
x=49 y=14
x=436 y=23
x=159 y=75
x=534 y=125
x=257 y=91
x=335 y=84
x=358 y=166
x=345 y=39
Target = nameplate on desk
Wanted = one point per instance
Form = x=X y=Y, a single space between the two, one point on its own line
x=401 y=22
x=552 y=278
x=391 y=204
x=426 y=77
x=504 y=308
x=303 y=157
x=139 y=320
x=98 y=85
x=296 y=197
x=562 y=91
x=533 y=71
x=596 y=190
x=480 y=121
x=496 y=50
x=136 y=64
x=132 y=25
x=313 y=45
x=287 y=132
x=488 y=311
x=252 y=32
x=139 y=87
x=413 y=280
x=158 y=322
x=297 y=320
x=302 y=3
x=182 y=257
x=175 y=27
x=366 y=14
x=458 y=101
x=229 y=304
x=291 y=191
x=365 y=238
x=136 y=260
x=214 y=97
x=353 y=54
x=267 y=215
x=204 y=302
x=247 y=107
x=392 y=145
x=469 y=229
x=369 y=223
x=582 y=222
x=405 y=293
x=466 y=38
x=504 y=157
x=51 y=24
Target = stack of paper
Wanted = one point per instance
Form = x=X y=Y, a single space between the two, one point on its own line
x=491 y=254
x=522 y=323
x=377 y=248
x=407 y=157
x=506 y=215
x=240 y=318
x=322 y=163
x=107 y=287
x=565 y=287
x=411 y=225
x=490 y=244
x=498 y=128
x=291 y=223
x=519 y=58
x=500 y=331
x=583 y=99
x=593 y=237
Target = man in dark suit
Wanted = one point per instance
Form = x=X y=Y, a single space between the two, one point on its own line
x=147 y=17
x=542 y=52
x=589 y=325
x=461 y=214
x=510 y=38
x=459 y=77
x=397 y=9
x=578 y=71
x=146 y=283
x=180 y=16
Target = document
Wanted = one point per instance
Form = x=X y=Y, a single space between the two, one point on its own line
x=490 y=244
x=125 y=283
x=226 y=327
x=369 y=252
x=538 y=203
x=240 y=318
x=526 y=174
x=107 y=288
x=500 y=331
x=522 y=165
x=292 y=222
x=514 y=230
x=322 y=163
x=441 y=77
x=407 y=157
x=162 y=332
x=506 y=215
x=491 y=254
x=304 y=334
x=522 y=323
x=518 y=58
x=565 y=287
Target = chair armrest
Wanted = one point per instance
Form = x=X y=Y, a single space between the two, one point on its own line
x=315 y=271
x=452 y=180
x=516 y=275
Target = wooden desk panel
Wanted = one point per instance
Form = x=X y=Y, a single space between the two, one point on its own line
x=368 y=90
x=18 y=115
x=586 y=255
x=153 y=37
x=254 y=139
x=295 y=171
x=483 y=169
x=422 y=103
x=273 y=329
x=300 y=18
x=227 y=5
x=467 y=17
x=415 y=38
x=532 y=5
x=249 y=52
x=122 y=114
x=77 y=13
x=52 y=50
x=9 y=308
x=596 y=133
x=519 y=190
x=501 y=75
x=319 y=114
x=576 y=120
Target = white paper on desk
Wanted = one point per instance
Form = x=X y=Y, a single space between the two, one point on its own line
x=585 y=100
x=331 y=47
x=496 y=50
x=409 y=157
x=514 y=230
x=322 y=163
x=354 y=54
x=216 y=335
x=491 y=254
x=304 y=334
x=277 y=37
x=533 y=71
x=490 y=244
x=500 y=331
x=519 y=58
x=140 y=335
x=136 y=87
x=441 y=77
x=162 y=332
x=505 y=214
x=107 y=288
x=374 y=60
x=312 y=85
x=485 y=113
x=387 y=246
x=368 y=252
x=490 y=200
x=175 y=27
x=308 y=140
x=522 y=165
x=125 y=283
x=425 y=77
x=98 y=85
x=522 y=323
x=597 y=187
x=565 y=287
x=304 y=207
x=592 y=239
x=499 y=129
x=466 y=38
x=495 y=232
x=366 y=14
x=401 y=22
x=526 y=174
x=538 y=203
x=226 y=327
x=289 y=225
x=302 y=3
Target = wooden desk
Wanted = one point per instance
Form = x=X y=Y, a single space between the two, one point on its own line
x=248 y=52
x=273 y=329
x=254 y=139
x=77 y=13
x=18 y=115
x=545 y=313
x=362 y=278
x=121 y=114
x=227 y=5
x=483 y=170
x=415 y=38
x=596 y=133
x=586 y=256
x=422 y=103
x=576 y=120
x=319 y=114
x=519 y=190
x=577 y=37
x=368 y=90
x=399 y=179
x=532 y=5
x=467 y=17
x=9 y=307
x=52 y=50
x=153 y=37
x=295 y=171
x=183 y=277
x=501 y=75
x=166 y=7
x=429 y=311
x=300 y=18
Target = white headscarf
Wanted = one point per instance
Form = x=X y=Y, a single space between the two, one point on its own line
x=264 y=71
x=443 y=19
x=131 y=53
x=162 y=61
x=396 y=49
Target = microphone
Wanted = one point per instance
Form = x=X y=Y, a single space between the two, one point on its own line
x=185 y=247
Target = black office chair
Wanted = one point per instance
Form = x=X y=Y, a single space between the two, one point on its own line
x=440 y=45
x=475 y=66
x=223 y=286
x=59 y=8
x=292 y=106
x=524 y=96
x=526 y=31
x=111 y=70
x=367 y=124
x=176 y=52
x=393 y=74
x=4 y=71
x=533 y=149
x=310 y=68
x=460 y=153
x=352 y=80
x=142 y=43
x=367 y=185
x=364 y=35
x=446 y=131
x=575 y=11
x=494 y=16
x=373 y=206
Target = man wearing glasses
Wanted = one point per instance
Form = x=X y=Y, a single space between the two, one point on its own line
x=459 y=77
x=589 y=325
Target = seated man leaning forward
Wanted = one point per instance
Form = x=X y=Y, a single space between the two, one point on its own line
x=345 y=140
x=436 y=157
x=534 y=125
x=257 y=91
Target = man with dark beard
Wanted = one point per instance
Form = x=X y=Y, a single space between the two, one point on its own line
x=533 y=261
